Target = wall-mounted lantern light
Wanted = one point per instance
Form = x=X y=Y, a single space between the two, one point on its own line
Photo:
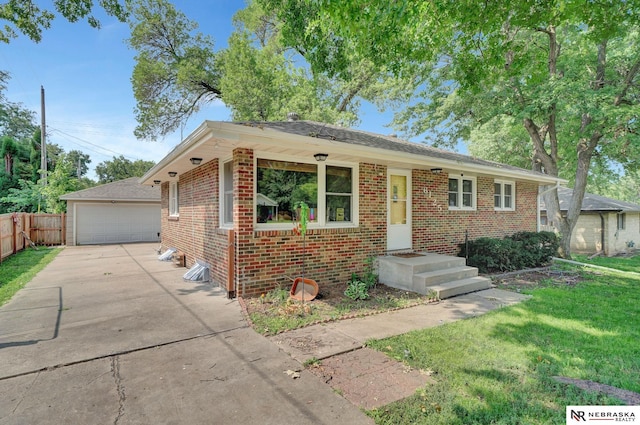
x=195 y=161
x=321 y=156
x=436 y=170
x=172 y=174
x=157 y=182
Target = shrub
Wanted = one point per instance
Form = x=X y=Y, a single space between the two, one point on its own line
x=519 y=251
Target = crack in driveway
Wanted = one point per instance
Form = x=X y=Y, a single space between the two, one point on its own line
x=115 y=372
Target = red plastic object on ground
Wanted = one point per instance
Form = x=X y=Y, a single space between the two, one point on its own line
x=309 y=289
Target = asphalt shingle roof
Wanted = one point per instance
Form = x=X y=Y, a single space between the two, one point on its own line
x=595 y=203
x=373 y=140
x=128 y=189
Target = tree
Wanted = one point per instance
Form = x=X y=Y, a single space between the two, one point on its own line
x=175 y=72
x=27 y=17
x=79 y=161
x=24 y=198
x=15 y=121
x=59 y=182
x=257 y=77
x=564 y=73
x=121 y=168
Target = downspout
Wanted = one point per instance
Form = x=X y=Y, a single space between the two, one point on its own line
x=602 y=233
x=540 y=195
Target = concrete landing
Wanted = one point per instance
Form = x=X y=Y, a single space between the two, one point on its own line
x=424 y=273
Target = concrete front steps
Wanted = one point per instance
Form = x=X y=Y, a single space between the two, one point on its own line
x=422 y=272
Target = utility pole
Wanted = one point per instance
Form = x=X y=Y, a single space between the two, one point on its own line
x=43 y=140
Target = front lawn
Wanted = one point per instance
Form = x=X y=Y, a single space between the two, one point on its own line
x=629 y=264
x=17 y=270
x=498 y=368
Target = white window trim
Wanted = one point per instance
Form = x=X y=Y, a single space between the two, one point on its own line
x=502 y=183
x=174 y=199
x=221 y=195
x=474 y=192
x=321 y=222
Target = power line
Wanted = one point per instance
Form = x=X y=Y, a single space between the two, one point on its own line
x=92 y=144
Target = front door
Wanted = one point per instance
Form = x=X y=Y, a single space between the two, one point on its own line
x=399 y=210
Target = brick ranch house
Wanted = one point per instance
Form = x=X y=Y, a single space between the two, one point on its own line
x=228 y=193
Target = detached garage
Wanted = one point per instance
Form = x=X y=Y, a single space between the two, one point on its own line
x=119 y=212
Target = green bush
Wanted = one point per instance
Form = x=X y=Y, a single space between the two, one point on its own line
x=519 y=251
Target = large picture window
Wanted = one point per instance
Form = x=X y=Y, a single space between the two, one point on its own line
x=504 y=194
x=462 y=193
x=328 y=189
x=281 y=185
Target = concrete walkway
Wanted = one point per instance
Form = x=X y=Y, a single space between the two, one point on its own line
x=111 y=335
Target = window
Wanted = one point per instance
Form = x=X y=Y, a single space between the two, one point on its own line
x=173 y=199
x=504 y=195
x=462 y=193
x=339 y=193
x=280 y=186
x=621 y=221
x=227 y=194
x=330 y=191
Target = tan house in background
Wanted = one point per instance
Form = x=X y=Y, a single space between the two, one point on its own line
x=605 y=224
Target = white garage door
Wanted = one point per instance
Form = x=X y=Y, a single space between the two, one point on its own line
x=116 y=223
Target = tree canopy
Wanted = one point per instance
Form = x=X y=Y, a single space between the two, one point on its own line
x=121 y=168
x=28 y=18
x=175 y=71
x=178 y=71
x=562 y=76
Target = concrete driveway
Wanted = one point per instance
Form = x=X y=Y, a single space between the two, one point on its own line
x=110 y=335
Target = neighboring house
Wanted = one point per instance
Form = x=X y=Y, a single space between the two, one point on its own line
x=605 y=224
x=369 y=194
x=120 y=212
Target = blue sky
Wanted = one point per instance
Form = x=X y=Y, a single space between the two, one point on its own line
x=86 y=75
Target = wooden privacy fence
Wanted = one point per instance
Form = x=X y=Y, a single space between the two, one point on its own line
x=41 y=229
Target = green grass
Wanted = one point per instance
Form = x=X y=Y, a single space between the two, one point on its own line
x=629 y=264
x=498 y=368
x=17 y=270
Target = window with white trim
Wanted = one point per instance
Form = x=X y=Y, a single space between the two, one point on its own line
x=174 y=200
x=504 y=195
x=329 y=190
x=462 y=193
x=226 y=187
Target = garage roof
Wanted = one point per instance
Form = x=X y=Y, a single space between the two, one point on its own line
x=122 y=190
x=594 y=203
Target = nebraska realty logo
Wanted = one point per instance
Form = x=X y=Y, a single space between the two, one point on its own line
x=582 y=414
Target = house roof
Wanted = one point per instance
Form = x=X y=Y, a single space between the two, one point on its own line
x=265 y=200
x=122 y=190
x=594 y=203
x=217 y=139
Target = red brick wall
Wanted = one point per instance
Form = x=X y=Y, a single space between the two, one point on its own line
x=266 y=258
x=196 y=231
x=436 y=229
